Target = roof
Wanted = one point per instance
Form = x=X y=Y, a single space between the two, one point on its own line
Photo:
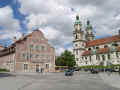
x=103 y=41
x=23 y=38
x=99 y=51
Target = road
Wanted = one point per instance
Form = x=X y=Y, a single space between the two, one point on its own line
x=54 y=81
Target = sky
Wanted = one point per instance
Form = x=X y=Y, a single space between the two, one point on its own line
x=55 y=18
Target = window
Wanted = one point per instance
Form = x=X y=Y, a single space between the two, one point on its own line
x=42 y=47
x=97 y=57
x=103 y=57
x=27 y=55
x=37 y=56
x=77 y=59
x=86 y=62
x=105 y=46
x=76 y=45
x=117 y=54
x=108 y=56
x=77 y=52
x=82 y=58
x=37 y=48
x=24 y=55
x=76 y=37
x=31 y=55
x=85 y=57
x=31 y=46
x=25 y=66
x=42 y=55
x=114 y=44
x=90 y=58
x=48 y=56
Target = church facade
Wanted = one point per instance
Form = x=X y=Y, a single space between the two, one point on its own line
x=31 y=53
x=88 y=51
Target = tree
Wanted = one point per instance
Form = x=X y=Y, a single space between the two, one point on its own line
x=65 y=59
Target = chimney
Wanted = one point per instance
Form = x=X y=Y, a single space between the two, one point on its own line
x=14 y=39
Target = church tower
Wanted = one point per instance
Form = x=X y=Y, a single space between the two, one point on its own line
x=78 y=41
x=89 y=33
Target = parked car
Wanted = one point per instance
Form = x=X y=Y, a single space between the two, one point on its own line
x=69 y=72
x=76 y=68
x=116 y=69
x=94 y=71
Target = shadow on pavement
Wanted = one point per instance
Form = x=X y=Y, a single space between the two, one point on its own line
x=6 y=75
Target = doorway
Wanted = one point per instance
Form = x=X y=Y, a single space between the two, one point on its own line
x=37 y=68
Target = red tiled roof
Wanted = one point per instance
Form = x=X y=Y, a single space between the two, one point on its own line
x=22 y=38
x=103 y=41
x=103 y=50
x=87 y=52
x=99 y=51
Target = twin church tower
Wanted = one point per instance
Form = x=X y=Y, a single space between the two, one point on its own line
x=80 y=38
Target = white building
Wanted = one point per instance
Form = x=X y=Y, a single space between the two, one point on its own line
x=88 y=51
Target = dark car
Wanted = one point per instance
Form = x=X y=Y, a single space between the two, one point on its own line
x=68 y=73
x=115 y=69
x=94 y=71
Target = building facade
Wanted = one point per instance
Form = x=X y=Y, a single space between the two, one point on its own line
x=88 y=51
x=31 y=53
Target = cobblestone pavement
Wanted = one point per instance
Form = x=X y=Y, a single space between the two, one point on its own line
x=55 y=81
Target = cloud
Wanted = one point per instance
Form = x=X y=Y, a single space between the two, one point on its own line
x=9 y=27
x=56 y=17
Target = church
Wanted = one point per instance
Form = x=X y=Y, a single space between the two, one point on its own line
x=88 y=51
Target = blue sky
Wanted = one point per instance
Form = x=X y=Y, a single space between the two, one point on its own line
x=55 y=18
x=15 y=5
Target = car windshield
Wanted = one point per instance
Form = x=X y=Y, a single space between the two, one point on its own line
x=68 y=70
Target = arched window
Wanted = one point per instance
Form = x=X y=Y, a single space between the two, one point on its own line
x=103 y=57
x=117 y=54
x=86 y=62
x=76 y=36
x=97 y=57
x=108 y=56
x=77 y=52
x=90 y=58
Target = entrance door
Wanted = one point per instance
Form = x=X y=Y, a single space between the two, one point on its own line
x=37 y=68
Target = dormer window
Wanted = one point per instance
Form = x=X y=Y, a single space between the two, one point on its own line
x=89 y=48
x=105 y=46
x=97 y=47
x=114 y=44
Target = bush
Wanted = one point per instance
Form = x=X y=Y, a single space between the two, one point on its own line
x=98 y=67
x=4 y=70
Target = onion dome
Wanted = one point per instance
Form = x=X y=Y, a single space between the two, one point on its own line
x=77 y=21
x=89 y=26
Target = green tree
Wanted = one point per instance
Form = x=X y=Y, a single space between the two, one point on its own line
x=65 y=59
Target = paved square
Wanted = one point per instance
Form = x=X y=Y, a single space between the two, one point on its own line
x=54 y=81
